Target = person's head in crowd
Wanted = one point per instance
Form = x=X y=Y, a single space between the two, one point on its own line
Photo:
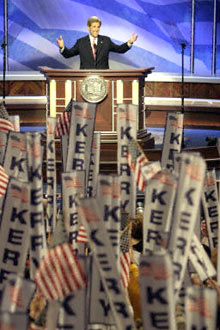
x=204 y=228
x=137 y=234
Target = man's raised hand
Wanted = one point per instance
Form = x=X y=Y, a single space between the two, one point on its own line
x=133 y=38
x=60 y=42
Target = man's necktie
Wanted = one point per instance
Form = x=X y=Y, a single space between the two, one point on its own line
x=94 y=48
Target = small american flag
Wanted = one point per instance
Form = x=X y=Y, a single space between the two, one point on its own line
x=201 y=306
x=82 y=235
x=6 y=125
x=17 y=294
x=60 y=273
x=3 y=112
x=20 y=193
x=136 y=160
x=72 y=182
x=18 y=143
x=155 y=270
x=3 y=181
x=62 y=126
x=125 y=259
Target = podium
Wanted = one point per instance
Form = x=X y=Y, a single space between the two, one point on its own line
x=113 y=86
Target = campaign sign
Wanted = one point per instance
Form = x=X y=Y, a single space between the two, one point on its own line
x=51 y=174
x=13 y=321
x=200 y=308
x=191 y=178
x=70 y=316
x=80 y=137
x=210 y=204
x=100 y=311
x=15 y=159
x=94 y=165
x=108 y=195
x=156 y=287
x=38 y=243
x=172 y=141
x=126 y=129
x=73 y=183
x=14 y=231
x=159 y=198
x=17 y=294
x=200 y=260
x=105 y=259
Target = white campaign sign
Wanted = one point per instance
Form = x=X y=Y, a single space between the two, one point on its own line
x=94 y=165
x=14 y=229
x=210 y=204
x=73 y=184
x=200 y=308
x=156 y=287
x=172 y=139
x=105 y=258
x=51 y=175
x=200 y=260
x=81 y=137
x=159 y=198
x=126 y=129
x=191 y=178
x=38 y=243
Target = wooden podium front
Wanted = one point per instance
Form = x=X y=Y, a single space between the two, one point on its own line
x=125 y=86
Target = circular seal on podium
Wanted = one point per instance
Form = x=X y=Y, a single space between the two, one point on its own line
x=93 y=89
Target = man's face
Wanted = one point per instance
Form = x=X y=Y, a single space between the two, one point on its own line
x=94 y=29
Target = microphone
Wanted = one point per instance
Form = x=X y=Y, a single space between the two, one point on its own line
x=183 y=45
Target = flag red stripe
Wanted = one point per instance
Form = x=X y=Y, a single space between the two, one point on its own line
x=63 y=270
x=58 y=279
x=50 y=277
x=76 y=283
x=43 y=288
x=6 y=125
x=3 y=181
x=3 y=176
x=3 y=187
x=58 y=273
x=62 y=127
x=72 y=272
x=125 y=262
x=76 y=265
x=66 y=121
x=3 y=128
x=82 y=235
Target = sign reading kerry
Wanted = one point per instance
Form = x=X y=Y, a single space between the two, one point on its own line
x=93 y=89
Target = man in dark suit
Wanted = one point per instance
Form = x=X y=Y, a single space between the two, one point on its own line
x=94 y=49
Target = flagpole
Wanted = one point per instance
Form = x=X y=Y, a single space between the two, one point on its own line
x=182 y=96
x=4 y=47
x=183 y=45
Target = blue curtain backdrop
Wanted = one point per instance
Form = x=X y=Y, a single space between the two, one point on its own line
x=162 y=25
